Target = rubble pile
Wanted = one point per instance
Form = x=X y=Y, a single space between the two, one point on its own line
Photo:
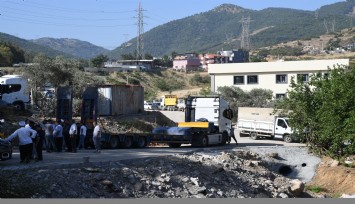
x=144 y=122
x=235 y=174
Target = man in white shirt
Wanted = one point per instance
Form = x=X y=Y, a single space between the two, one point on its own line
x=25 y=136
x=82 y=136
x=58 y=135
x=97 y=137
x=72 y=134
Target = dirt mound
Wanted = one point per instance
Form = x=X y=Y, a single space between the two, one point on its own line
x=334 y=179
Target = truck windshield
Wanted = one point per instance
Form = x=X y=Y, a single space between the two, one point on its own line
x=288 y=124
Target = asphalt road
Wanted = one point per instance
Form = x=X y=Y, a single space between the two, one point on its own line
x=65 y=159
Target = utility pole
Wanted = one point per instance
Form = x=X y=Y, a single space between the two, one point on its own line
x=140 y=45
x=245 y=40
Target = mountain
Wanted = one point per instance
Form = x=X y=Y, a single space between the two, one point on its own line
x=221 y=28
x=78 y=48
x=29 y=47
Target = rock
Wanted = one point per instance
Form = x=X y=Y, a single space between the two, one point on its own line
x=282 y=195
x=202 y=190
x=273 y=155
x=347 y=196
x=194 y=181
x=199 y=196
x=220 y=193
x=185 y=179
x=107 y=182
x=296 y=187
x=334 y=163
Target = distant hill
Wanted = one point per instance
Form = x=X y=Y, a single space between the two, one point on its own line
x=220 y=28
x=29 y=47
x=78 y=48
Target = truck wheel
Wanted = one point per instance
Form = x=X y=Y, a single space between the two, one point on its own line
x=272 y=137
x=174 y=145
x=140 y=142
x=114 y=142
x=203 y=141
x=287 y=138
x=254 y=136
x=19 y=105
x=127 y=143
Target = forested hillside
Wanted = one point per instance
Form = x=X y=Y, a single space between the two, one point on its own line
x=73 y=47
x=221 y=28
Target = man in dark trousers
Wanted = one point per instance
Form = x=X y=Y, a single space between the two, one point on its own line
x=66 y=128
x=73 y=132
x=25 y=136
x=39 y=141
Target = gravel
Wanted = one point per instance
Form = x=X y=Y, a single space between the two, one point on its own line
x=203 y=174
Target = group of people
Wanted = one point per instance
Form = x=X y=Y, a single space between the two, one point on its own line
x=56 y=136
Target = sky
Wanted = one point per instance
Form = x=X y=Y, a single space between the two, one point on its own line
x=109 y=23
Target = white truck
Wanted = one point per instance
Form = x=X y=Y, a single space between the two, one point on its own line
x=14 y=90
x=213 y=109
x=261 y=122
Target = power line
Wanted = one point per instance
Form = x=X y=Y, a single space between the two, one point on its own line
x=140 y=45
x=245 y=40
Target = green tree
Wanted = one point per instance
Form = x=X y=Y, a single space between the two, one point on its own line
x=239 y=98
x=59 y=71
x=128 y=56
x=148 y=56
x=323 y=111
x=99 y=60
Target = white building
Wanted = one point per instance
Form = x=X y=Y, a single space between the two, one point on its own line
x=275 y=76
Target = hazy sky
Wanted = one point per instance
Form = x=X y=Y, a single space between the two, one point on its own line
x=109 y=23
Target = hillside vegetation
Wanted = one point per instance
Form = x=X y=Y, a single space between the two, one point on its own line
x=220 y=28
x=31 y=49
x=73 y=47
x=157 y=83
x=217 y=29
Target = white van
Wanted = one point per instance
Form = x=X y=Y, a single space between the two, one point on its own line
x=14 y=90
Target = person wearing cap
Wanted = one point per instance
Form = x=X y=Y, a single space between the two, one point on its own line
x=25 y=136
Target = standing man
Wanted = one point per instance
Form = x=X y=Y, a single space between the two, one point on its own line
x=25 y=136
x=66 y=135
x=82 y=136
x=97 y=137
x=58 y=136
x=49 y=128
x=39 y=142
x=72 y=134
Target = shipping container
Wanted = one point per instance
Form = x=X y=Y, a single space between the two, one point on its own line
x=112 y=100
x=64 y=103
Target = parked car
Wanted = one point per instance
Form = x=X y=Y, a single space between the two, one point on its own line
x=148 y=105
x=151 y=106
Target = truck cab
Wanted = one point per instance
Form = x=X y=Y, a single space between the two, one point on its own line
x=283 y=129
x=14 y=90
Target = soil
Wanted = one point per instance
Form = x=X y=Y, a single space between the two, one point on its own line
x=334 y=180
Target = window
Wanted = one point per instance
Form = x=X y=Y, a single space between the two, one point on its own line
x=280 y=96
x=281 y=123
x=303 y=78
x=281 y=79
x=238 y=79
x=252 y=79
